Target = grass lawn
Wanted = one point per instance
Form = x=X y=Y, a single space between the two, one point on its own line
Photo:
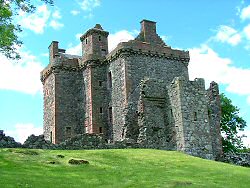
x=115 y=168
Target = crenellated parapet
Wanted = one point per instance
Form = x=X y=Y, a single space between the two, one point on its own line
x=139 y=48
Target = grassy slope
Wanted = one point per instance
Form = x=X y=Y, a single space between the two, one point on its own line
x=116 y=168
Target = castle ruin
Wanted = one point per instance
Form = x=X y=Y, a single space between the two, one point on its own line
x=139 y=91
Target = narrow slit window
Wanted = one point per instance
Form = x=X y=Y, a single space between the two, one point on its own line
x=51 y=136
x=110 y=80
x=110 y=115
x=195 y=116
x=100 y=38
x=100 y=83
x=100 y=129
x=101 y=110
x=86 y=41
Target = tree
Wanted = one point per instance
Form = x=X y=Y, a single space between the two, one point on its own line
x=8 y=29
x=231 y=124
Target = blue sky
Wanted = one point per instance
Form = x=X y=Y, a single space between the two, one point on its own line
x=216 y=33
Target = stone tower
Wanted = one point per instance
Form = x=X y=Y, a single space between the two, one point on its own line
x=95 y=48
x=63 y=101
x=94 y=43
x=139 y=92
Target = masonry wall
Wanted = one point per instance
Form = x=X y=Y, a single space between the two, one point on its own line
x=100 y=101
x=154 y=121
x=117 y=95
x=214 y=109
x=192 y=117
x=49 y=108
x=140 y=67
x=69 y=104
x=87 y=87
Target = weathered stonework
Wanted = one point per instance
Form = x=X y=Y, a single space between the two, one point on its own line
x=139 y=93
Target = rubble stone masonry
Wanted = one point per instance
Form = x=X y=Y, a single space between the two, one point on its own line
x=139 y=93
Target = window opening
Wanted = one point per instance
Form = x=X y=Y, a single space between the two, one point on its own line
x=68 y=132
x=110 y=115
x=110 y=79
x=195 y=116
x=100 y=129
x=103 y=52
x=51 y=136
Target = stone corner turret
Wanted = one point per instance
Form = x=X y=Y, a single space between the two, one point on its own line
x=94 y=43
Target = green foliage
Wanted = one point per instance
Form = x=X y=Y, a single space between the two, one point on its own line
x=116 y=168
x=231 y=124
x=8 y=29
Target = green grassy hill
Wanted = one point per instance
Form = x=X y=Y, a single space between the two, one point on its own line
x=115 y=168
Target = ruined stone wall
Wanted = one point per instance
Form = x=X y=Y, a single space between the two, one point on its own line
x=69 y=104
x=49 y=108
x=155 y=128
x=214 y=112
x=140 y=67
x=191 y=119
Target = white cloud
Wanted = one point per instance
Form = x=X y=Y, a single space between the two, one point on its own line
x=74 y=50
x=55 y=24
x=89 y=5
x=45 y=54
x=89 y=16
x=228 y=35
x=164 y=38
x=206 y=63
x=23 y=76
x=245 y=13
x=22 y=131
x=235 y=39
x=78 y=35
x=36 y=21
x=120 y=36
x=75 y=12
x=246 y=140
x=56 y=15
x=246 y=31
x=248 y=100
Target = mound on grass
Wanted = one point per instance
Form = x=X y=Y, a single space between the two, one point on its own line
x=115 y=168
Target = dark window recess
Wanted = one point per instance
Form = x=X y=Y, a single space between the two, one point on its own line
x=68 y=131
x=100 y=83
x=103 y=51
x=100 y=110
x=123 y=131
x=51 y=136
x=195 y=116
x=86 y=41
x=109 y=80
x=110 y=115
x=99 y=38
x=100 y=129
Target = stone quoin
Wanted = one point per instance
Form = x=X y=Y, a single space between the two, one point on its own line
x=140 y=91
